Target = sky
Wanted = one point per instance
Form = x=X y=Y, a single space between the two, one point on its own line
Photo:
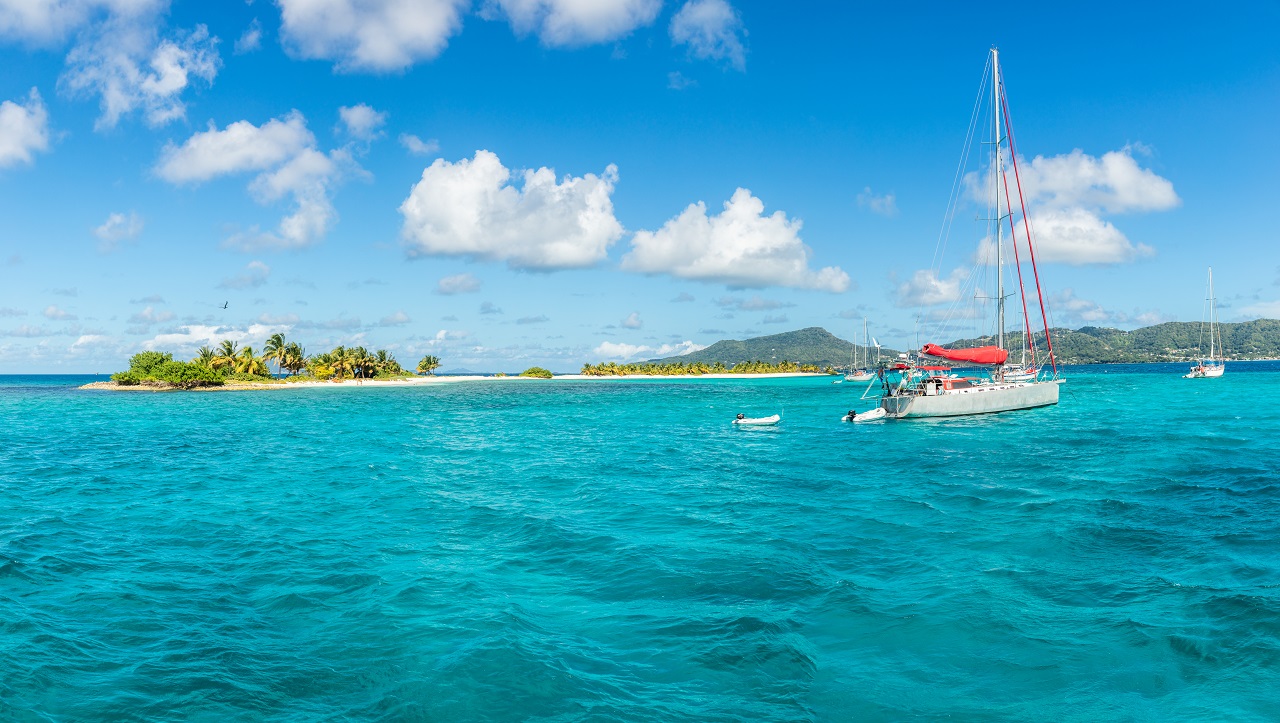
x=509 y=183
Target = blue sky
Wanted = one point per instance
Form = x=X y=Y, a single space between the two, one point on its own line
x=505 y=183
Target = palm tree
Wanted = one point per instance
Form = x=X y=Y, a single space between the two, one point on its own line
x=429 y=365
x=361 y=362
x=340 y=361
x=250 y=363
x=204 y=357
x=386 y=362
x=274 y=350
x=295 y=358
x=226 y=354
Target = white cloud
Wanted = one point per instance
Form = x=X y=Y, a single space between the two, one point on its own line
x=470 y=208
x=924 y=288
x=397 y=319
x=150 y=316
x=255 y=275
x=457 y=284
x=1077 y=236
x=53 y=312
x=118 y=227
x=712 y=30
x=885 y=205
x=283 y=152
x=678 y=81
x=90 y=342
x=1114 y=183
x=1262 y=309
x=568 y=23
x=49 y=22
x=362 y=122
x=242 y=146
x=24 y=130
x=740 y=247
x=623 y=351
x=488 y=307
x=122 y=61
x=187 y=338
x=369 y=35
x=251 y=39
x=417 y=146
x=633 y=321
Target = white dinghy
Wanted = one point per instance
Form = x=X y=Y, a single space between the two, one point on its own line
x=870 y=415
x=769 y=421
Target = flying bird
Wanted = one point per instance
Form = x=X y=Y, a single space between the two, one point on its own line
x=224 y=304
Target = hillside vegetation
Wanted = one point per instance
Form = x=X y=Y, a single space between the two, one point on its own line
x=813 y=346
x=1172 y=341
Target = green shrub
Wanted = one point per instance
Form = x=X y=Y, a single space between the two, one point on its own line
x=126 y=379
x=185 y=375
x=537 y=372
x=242 y=377
x=145 y=362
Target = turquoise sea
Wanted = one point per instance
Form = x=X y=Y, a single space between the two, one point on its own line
x=601 y=551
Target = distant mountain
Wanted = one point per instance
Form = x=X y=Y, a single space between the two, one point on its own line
x=1172 y=341
x=813 y=345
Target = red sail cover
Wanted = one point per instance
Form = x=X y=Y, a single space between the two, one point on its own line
x=979 y=355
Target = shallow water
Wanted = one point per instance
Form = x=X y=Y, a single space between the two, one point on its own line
x=612 y=550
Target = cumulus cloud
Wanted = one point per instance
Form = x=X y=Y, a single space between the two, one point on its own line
x=712 y=30
x=185 y=339
x=1075 y=236
x=623 y=351
x=1067 y=197
x=569 y=23
x=150 y=316
x=775 y=319
x=740 y=247
x=369 y=35
x=24 y=130
x=397 y=319
x=417 y=146
x=362 y=122
x=255 y=275
x=1071 y=310
x=251 y=39
x=488 y=307
x=885 y=205
x=470 y=209
x=678 y=81
x=124 y=63
x=457 y=284
x=1262 y=309
x=282 y=151
x=633 y=321
x=118 y=227
x=57 y=314
x=539 y=319
x=925 y=288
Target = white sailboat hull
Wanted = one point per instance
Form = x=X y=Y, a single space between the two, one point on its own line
x=1209 y=372
x=983 y=399
x=859 y=377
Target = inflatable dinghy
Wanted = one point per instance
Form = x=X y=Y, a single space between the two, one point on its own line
x=758 y=421
x=870 y=415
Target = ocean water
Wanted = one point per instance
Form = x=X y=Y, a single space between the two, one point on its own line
x=600 y=551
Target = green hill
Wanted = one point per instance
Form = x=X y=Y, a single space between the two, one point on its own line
x=813 y=345
x=1172 y=341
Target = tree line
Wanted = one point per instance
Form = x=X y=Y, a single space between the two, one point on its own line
x=231 y=362
x=660 y=369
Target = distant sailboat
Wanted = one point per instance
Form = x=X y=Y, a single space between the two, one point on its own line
x=1214 y=366
x=859 y=374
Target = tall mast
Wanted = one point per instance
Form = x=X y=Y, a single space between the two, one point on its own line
x=995 y=191
x=1213 y=315
x=866 y=355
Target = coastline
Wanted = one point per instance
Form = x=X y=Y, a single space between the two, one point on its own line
x=420 y=381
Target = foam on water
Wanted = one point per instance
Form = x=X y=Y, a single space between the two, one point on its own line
x=618 y=551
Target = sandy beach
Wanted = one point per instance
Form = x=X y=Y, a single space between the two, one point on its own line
x=420 y=381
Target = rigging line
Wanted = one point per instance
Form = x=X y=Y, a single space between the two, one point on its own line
x=944 y=234
x=1013 y=153
x=1017 y=262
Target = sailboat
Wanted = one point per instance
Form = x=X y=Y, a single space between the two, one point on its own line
x=1214 y=366
x=919 y=386
x=859 y=374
